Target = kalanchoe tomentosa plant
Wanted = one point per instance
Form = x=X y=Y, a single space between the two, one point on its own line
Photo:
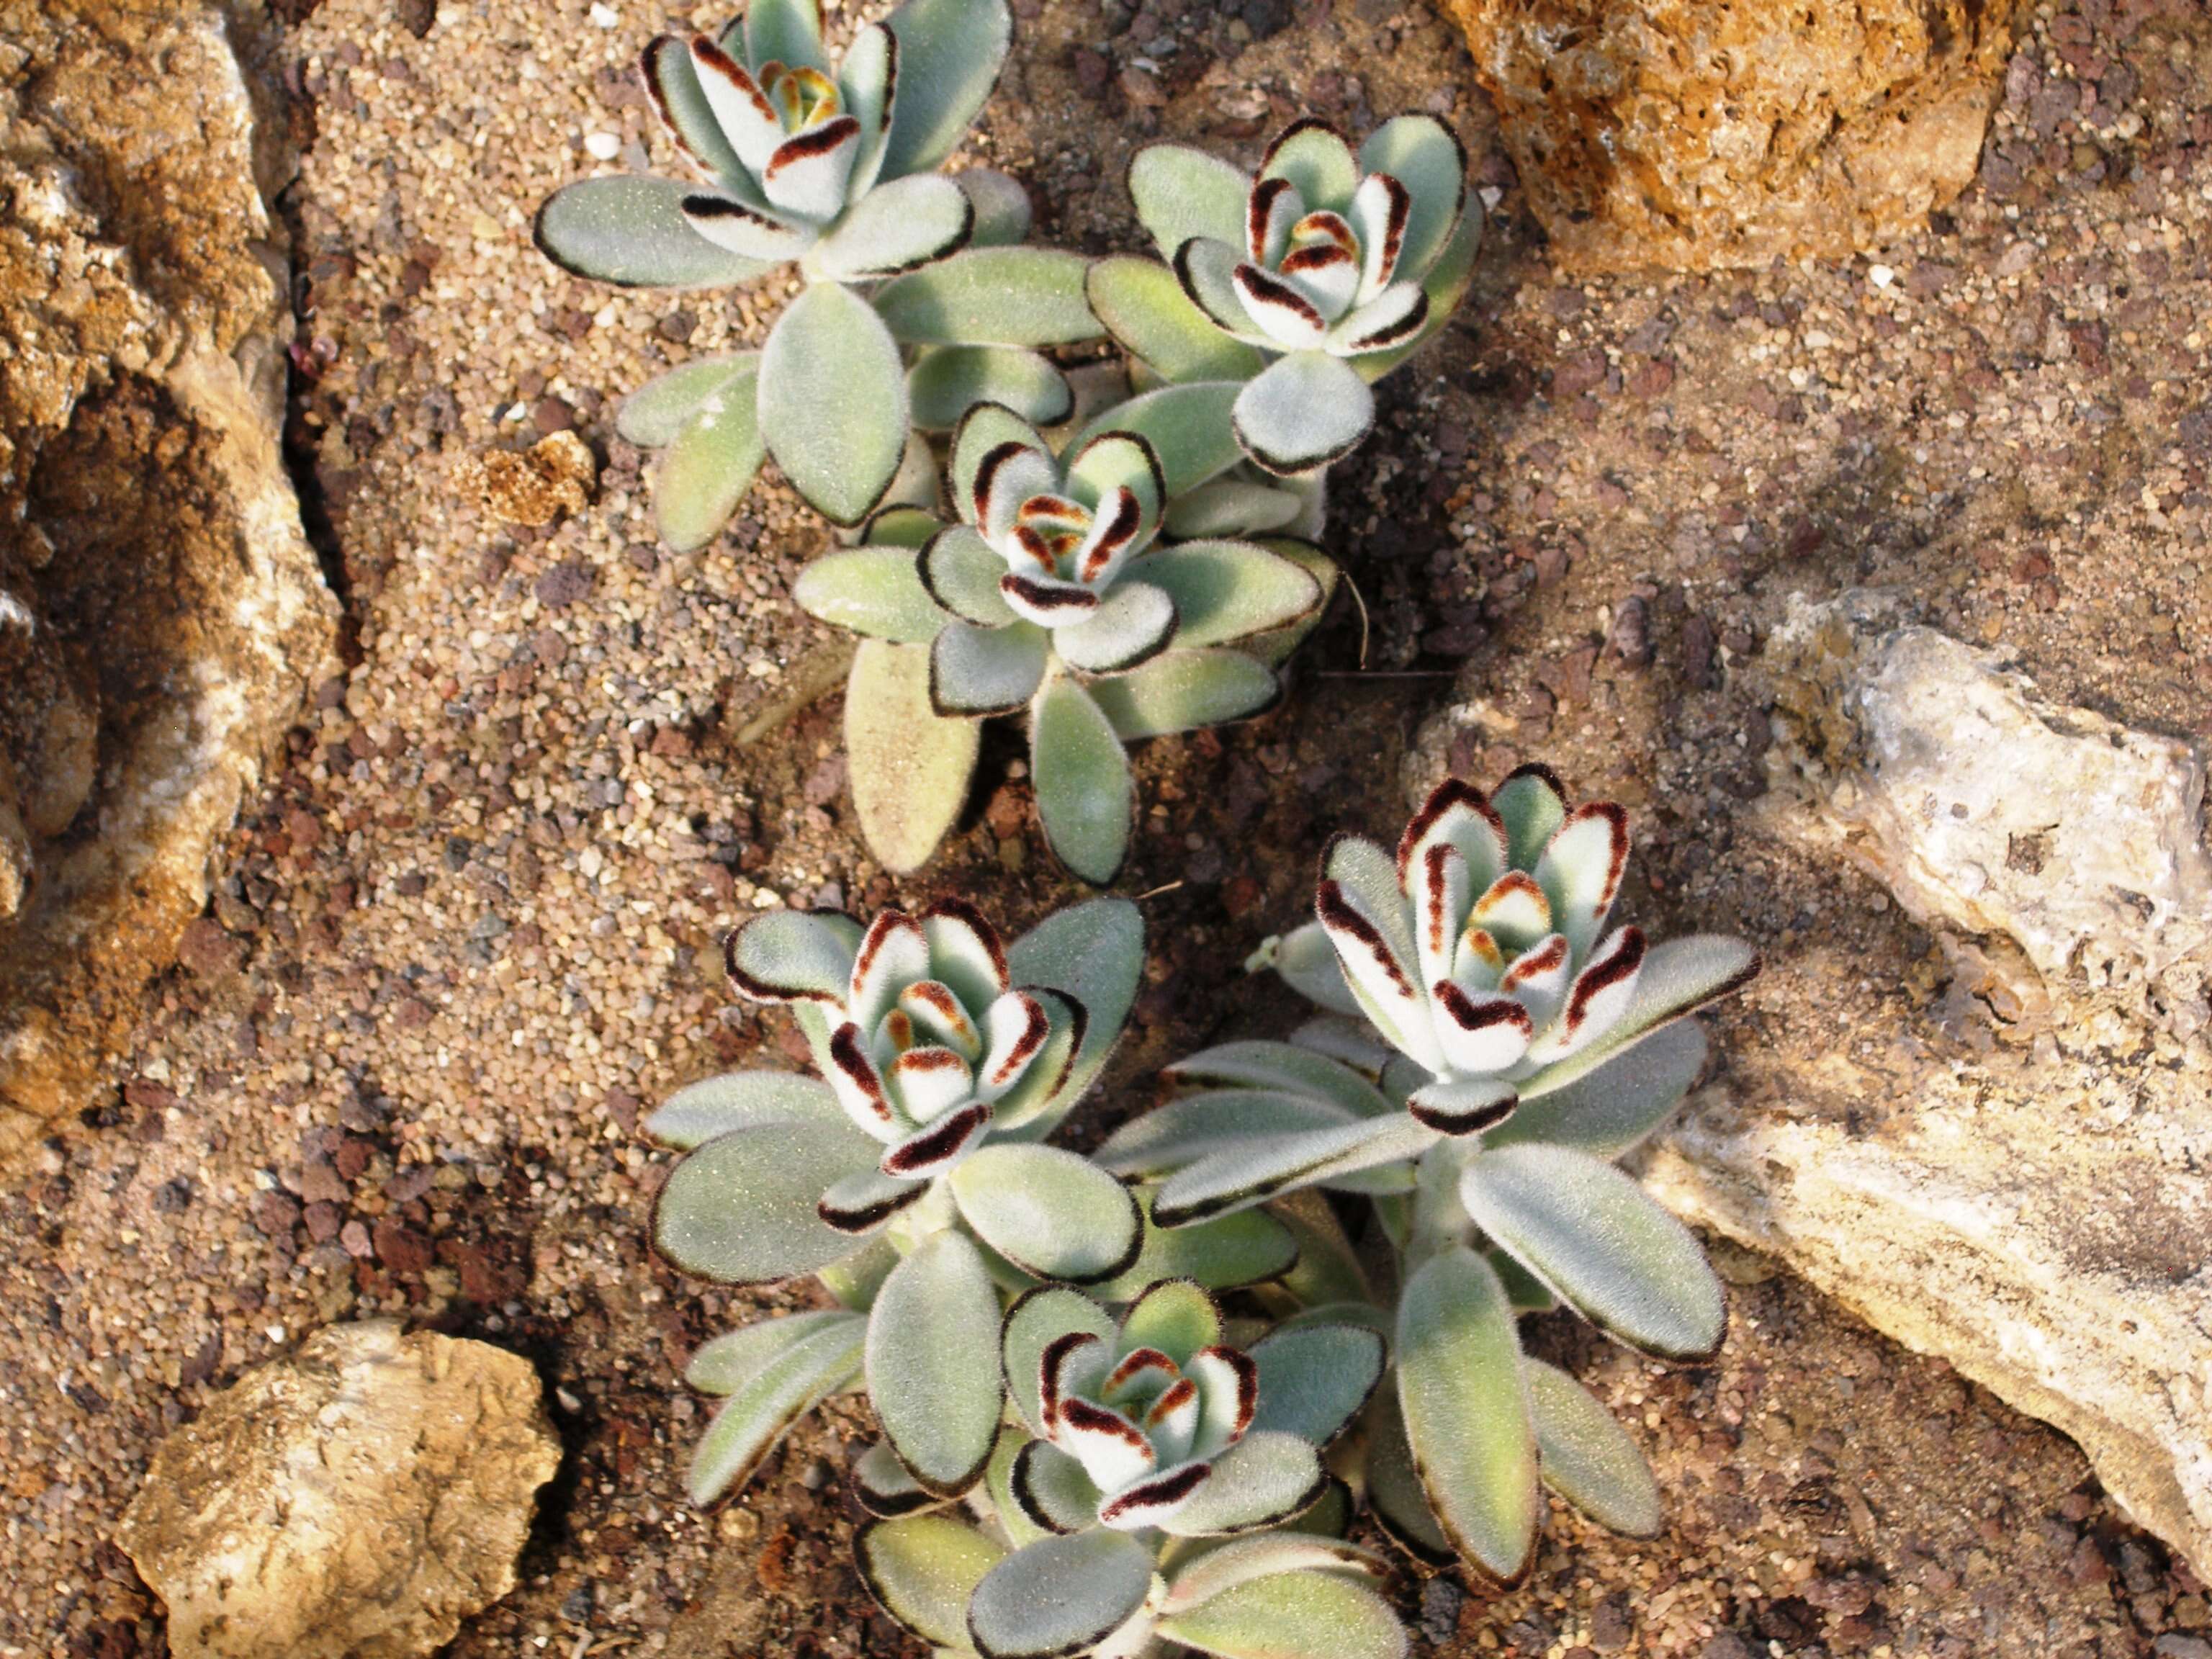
x=907 y=1178
x=1300 y=286
x=1052 y=594
x=1493 y=1046
x=831 y=168
x=1162 y=1487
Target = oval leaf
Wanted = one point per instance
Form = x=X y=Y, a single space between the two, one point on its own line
x=705 y=473
x=1466 y=1411
x=935 y=1314
x=923 y=1569
x=775 y=1371
x=1084 y=789
x=629 y=230
x=910 y=768
x=1183 y=690
x=1602 y=1243
x=692 y=1116
x=833 y=402
x=1314 y=1380
x=1141 y=303
x=1060 y=1596
x=1588 y=1458
x=1291 y=1615
x=1307 y=410
x=1051 y=1213
x=873 y=591
x=740 y=1210
x=1010 y=296
x=950 y=380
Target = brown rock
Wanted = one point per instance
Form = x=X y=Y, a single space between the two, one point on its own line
x=360 y=1498
x=161 y=616
x=534 y=486
x=1697 y=134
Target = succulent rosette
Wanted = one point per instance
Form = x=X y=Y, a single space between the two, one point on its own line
x=1164 y=1487
x=912 y=1180
x=1053 y=593
x=831 y=167
x=1301 y=285
x=1493 y=1044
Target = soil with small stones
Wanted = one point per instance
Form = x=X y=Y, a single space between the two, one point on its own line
x=471 y=932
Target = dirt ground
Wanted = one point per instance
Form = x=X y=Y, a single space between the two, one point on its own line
x=470 y=933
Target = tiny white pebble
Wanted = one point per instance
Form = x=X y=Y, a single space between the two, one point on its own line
x=1881 y=276
x=1492 y=196
x=604 y=146
x=605 y=16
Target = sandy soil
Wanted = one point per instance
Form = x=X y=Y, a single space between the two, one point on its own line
x=470 y=932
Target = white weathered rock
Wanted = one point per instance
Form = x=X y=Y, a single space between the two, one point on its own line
x=356 y=1500
x=1981 y=806
x=2037 y=1213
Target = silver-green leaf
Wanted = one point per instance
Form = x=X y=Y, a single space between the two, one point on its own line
x=939 y=1408
x=833 y=402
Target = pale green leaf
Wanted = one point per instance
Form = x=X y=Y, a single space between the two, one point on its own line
x=1084 y=787
x=773 y=1373
x=949 y=381
x=694 y=1115
x=1188 y=427
x=629 y=230
x=1422 y=154
x=1588 y=1458
x=949 y=52
x=910 y=767
x=1307 y=410
x=923 y=1569
x=706 y=470
x=1060 y=1596
x=939 y=1408
x=1314 y=1380
x=1228 y=1253
x=1010 y=296
x=1040 y=1318
x=1176 y=1317
x=1291 y=1615
x=1141 y=303
x=1182 y=690
x=1181 y=192
x=1225 y=591
x=740 y=1209
x=1052 y=1213
x=833 y=402
x=655 y=415
x=1613 y=1107
x=1264 y=1479
x=986 y=671
x=871 y=590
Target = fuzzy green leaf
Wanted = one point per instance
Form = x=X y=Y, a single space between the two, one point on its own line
x=656 y=413
x=1177 y=1317
x=910 y=767
x=1060 y=1596
x=1010 y=296
x=961 y=573
x=939 y=1408
x=1222 y=1567
x=1308 y=962
x=1265 y=1478
x=1052 y=1213
x=1678 y=976
x=873 y=591
x=1588 y=1458
x=1182 y=691
x=1228 y=1253
x=1225 y=591
x=986 y=671
x=1240 y=1176
x=1052 y=1487
x=833 y=402
x=692 y=1116
x=949 y=52
x=784 y=32
x=1315 y=159
x=897 y=227
x=1181 y=192
x=1084 y=788
x=1188 y=427
x=1291 y=1615
x=740 y=1210
x=1466 y=1411
x=1178 y=1133
x=1001 y=204
x=1393 y=1485
x=773 y=1373
x=1233 y=506
x=1141 y=303
x=1130 y=627
x=1094 y=952
x=949 y=381
x=1616 y=1107
x=1252 y=1064
x=629 y=230
x=1307 y=410
x=794 y=956
x=923 y=1569
x=706 y=470
x=1602 y=1243
x=1314 y=1380
x=887 y=1487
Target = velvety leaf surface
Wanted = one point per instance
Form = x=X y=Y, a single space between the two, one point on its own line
x=985 y=671
x=737 y=1100
x=1466 y=1411
x=1588 y=1458
x=1050 y=1213
x=1238 y=1177
x=1259 y=1064
x=1182 y=691
x=897 y=227
x=1181 y=192
x=949 y=381
x=909 y=767
x=1678 y=976
x=629 y=230
x=1094 y=952
x=1001 y=204
x=1296 y=1615
x=1314 y=1380
x=773 y=1373
x=1610 y=1109
x=1393 y=1485
x=794 y=956
x=871 y=590
x=1178 y=1133
x=706 y=470
x=1602 y=1243
x=655 y=415
x=1188 y=427
x=1010 y=296
x=1266 y=1477
x=1059 y=1596
x=833 y=402
x=923 y=1568
x=740 y=1210
x=1307 y=410
x=1226 y=590
x=1039 y=1319
x=949 y=52
x=1421 y=154
x=1239 y=1561
x=1084 y=788
x=1176 y=1316
x=934 y=1318
x=1141 y=303
x=1227 y=1253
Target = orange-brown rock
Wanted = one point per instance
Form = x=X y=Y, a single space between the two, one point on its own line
x=160 y=612
x=1695 y=134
